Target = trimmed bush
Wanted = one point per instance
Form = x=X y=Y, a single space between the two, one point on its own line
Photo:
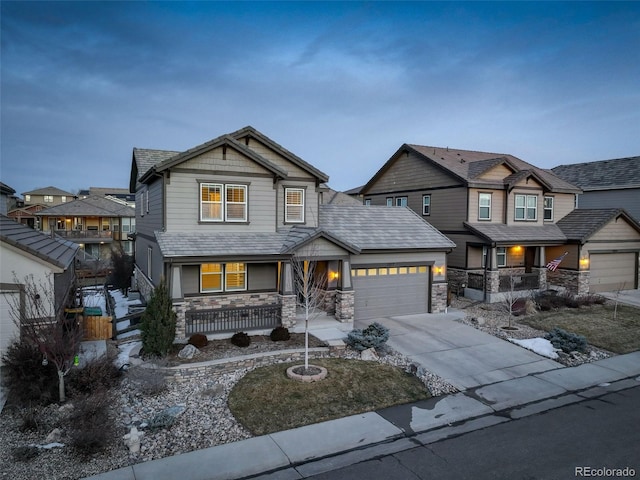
x=566 y=341
x=27 y=379
x=198 y=340
x=241 y=339
x=374 y=336
x=280 y=334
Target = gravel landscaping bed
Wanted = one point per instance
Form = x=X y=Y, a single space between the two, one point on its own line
x=490 y=319
x=202 y=419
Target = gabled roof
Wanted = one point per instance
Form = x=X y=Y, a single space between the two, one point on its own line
x=375 y=227
x=509 y=234
x=55 y=251
x=251 y=132
x=467 y=166
x=6 y=189
x=146 y=163
x=300 y=236
x=48 y=191
x=582 y=223
x=92 y=206
x=602 y=175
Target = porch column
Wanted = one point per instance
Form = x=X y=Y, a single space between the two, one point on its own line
x=345 y=296
x=492 y=281
x=287 y=295
x=541 y=269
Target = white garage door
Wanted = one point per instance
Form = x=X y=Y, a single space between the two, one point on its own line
x=8 y=330
x=387 y=291
x=612 y=271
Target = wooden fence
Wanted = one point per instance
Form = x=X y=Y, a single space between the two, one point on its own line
x=97 y=328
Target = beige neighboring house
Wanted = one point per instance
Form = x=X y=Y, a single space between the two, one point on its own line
x=48 y=196
x=95 y=223
x=509 y=219
x=223 y=223
x=26 y=252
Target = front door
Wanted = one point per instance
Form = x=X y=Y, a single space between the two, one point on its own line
x=529 y=258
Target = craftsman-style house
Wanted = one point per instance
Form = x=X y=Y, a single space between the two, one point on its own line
x=509 y=220
x=224 y=222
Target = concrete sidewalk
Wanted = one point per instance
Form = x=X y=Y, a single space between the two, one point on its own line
x=326 y=446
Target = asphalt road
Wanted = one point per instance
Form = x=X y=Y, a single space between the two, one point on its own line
x=595 y=434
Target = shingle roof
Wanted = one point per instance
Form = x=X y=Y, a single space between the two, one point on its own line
x=48 y=191
x=333 y=197
x=145 y=158
x=602 y=175
x=55 y=250
x=510 y=234
x=6 y=189
x=181 y=244
x=375 y=227
x=468 y=165
x=581 y=223
x=91 y=206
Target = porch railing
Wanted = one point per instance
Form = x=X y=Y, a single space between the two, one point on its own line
x=102 y=234
x=232 y=319
x=476 y=281
x=521 y=281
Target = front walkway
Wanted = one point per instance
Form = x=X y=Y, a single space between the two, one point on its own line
x=462 y=355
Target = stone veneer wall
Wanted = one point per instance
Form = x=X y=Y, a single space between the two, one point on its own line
x=202 y=371
x=143 y=284
x=439 y=297
x=329 y=301
x=288 y=306
x=345 y=305
x=576 y=282
x=219 y=301
x=456 y=277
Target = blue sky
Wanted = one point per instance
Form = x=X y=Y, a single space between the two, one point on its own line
x=342 y=85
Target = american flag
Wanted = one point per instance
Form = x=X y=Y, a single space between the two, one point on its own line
x=553 y=264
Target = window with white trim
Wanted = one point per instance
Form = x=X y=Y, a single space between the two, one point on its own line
x=426 y=204
x=367 y=201
x=219 y=202
x=27 y=198
x=294 y=205
x=389 y=201
x=501 y=256
x=526 y=207
x=223 y=277
x=548 y=209
x=63 y=198
x=48 y=198
x=484 y=206
x=401 y=201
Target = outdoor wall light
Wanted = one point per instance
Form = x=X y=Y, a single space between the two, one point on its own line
x=333 y=275
x=517 y=249
x=584 y=263
x=439 y=270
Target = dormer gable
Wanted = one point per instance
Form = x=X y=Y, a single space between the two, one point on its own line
x=526 y=178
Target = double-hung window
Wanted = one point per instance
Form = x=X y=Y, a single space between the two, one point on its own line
x=223 y=203
x=48 y=199
x=426 y=204
x=294 y=205
x=548 y=209
x=223 y=277
x=526 y=207
x=401 y=201
x=484 y=206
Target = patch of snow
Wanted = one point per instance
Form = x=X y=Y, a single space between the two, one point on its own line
x=124 y=351
x=541 y=346
x=93 y=297
x=122 y=303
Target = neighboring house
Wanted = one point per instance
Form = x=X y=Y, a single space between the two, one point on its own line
x=606 y=184
x=95 y=223
x=27 y=215
x=224 y=222
x=118 y=194
x=333 y=197
x=509 y=219
x=25 y=252
x=6 y=193
x=48 y=196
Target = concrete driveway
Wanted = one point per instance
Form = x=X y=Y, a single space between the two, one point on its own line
x=628 y=297
x=462 y=355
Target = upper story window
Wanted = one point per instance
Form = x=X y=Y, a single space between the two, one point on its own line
x=389 y=201
x=294 y=205
x=426 y=204
x=401 y=201
x=548 y=208
x=64 y=198
x=526 y=207
x=48 y=198
x=367 y=201
x=27 y=198
x=219 y=202
x=221 y=277
x=484 y=206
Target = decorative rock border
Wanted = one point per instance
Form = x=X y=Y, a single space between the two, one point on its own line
x=306 y=378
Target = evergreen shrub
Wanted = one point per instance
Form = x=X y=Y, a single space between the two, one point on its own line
x=374 y=336
x=566 y=341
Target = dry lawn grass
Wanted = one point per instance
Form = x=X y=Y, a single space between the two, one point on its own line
x=596 y=323
x=266 y=401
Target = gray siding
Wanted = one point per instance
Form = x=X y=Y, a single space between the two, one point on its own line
x=260 y=276
x=311 y=201
x=150 y=221
x=629 y=199
x=409 y=172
